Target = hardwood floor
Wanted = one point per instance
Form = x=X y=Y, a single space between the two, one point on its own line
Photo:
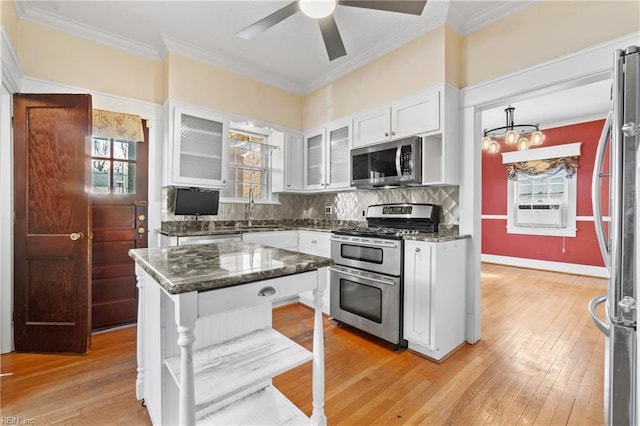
x=540 y=361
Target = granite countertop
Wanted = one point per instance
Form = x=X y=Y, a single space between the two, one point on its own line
x=206 y=267
x=443 y=234
x=189 y=229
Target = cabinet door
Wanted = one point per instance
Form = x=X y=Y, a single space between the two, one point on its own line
x=314 y=149
x=372 y=127
x=338 y=168
x=418 y=292
x=416 y=114
x=200 y=146
x=293 y=163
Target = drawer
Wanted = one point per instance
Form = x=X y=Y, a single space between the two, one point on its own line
x=280 y=239
x=225 y=299
x=314 y=242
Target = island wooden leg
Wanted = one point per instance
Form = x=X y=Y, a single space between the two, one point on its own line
x=185 y=316
x=317 y=416
x=140 y=333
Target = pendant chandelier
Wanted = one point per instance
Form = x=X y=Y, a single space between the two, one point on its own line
x=513 y=134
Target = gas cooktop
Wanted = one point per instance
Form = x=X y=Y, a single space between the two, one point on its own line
x=393 y=221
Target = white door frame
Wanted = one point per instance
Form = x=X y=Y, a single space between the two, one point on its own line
x=583 y=67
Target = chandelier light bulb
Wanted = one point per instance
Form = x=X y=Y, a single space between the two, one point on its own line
x=494 y=147
x=317 y=8
x=537 y=138
x=511 y=137
x=523 y=144
x=486 y=143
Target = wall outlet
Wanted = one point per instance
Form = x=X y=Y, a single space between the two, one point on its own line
x=328 y=209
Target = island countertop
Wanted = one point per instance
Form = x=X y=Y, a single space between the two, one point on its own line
x=204 y=267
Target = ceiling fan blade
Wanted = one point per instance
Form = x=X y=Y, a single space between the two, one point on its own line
x=331 y=37
x=412 y=7
x=269 y=21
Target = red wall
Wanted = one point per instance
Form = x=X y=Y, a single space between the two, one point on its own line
x=583 y=249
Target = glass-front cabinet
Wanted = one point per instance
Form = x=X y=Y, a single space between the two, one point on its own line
x=200 y=145
x=327 y=157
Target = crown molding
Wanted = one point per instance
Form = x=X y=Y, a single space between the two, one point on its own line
x=455 y=18
x=12 y=72
x=30 y=14
x=229 y=62
x=490 y=15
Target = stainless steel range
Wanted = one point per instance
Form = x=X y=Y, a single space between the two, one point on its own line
x=366 y=280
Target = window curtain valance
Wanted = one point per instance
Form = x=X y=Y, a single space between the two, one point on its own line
x=543 y=168
x=542 y=163
x=117 y=125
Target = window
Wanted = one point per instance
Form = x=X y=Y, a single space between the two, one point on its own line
x=541 y=190
x=249 y=166
x=113 y=166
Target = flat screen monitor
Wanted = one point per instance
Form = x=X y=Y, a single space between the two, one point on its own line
x=196 y=202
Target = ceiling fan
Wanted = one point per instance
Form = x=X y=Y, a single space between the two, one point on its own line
x=322 y=10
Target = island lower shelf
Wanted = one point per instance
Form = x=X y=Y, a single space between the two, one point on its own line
x=226 y=369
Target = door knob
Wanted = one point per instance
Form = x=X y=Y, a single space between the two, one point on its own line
x=75 y=236
x=141 y=217
x=141 y=230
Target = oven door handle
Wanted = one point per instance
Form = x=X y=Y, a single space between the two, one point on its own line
x=375 y=280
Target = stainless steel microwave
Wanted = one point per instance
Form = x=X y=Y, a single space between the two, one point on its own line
x=395 y=163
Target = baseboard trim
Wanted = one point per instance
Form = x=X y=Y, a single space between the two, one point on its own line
x=546 y=265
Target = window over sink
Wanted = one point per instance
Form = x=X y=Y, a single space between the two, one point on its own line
x=250 y=164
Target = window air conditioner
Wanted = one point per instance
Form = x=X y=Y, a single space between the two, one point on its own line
x=540 y=215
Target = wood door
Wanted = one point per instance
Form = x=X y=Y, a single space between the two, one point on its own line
x=52 y=253
x=119 y=204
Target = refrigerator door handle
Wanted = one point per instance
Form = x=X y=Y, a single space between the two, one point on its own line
x=596 y=193
x=602 y=326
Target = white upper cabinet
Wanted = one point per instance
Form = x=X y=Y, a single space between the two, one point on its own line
x=411 y=115
x=314 y=155
x=199 y=148
x=293 y=177
x=440 y=149
x=338 y=167
x=327 y=157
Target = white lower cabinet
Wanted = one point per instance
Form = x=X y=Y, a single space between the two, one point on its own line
x=434 y=296
x=317 y=243
x=281 y=239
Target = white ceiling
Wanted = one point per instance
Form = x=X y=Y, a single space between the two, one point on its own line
x=291 y=55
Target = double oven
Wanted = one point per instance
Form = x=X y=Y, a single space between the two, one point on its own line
x=366 y=279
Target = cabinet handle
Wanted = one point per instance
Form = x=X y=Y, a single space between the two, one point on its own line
x=314 y=241
x=267 y=291
x=288 y=185
x=417 y=249
x=393 y=133
x=386 y=134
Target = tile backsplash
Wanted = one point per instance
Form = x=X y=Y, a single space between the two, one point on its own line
x=346 y=206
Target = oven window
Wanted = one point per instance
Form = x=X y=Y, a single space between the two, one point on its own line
x=362 y=300
x=364 y=254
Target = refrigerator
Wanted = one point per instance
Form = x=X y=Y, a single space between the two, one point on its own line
x=616 y=178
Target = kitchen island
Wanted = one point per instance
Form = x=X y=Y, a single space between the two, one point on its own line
x=206 y=348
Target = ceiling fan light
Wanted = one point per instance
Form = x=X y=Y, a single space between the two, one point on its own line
x=317 y=8
x=537 y=138
x=511 y=137
x=486 y=143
